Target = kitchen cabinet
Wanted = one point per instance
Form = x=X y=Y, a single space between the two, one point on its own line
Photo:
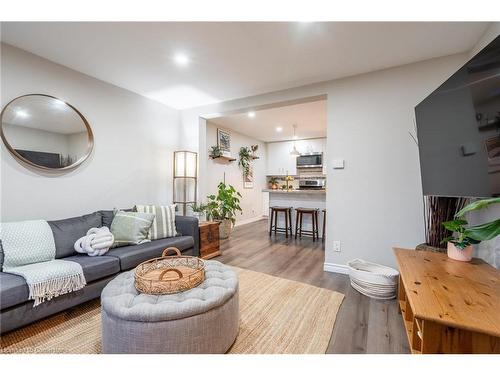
x=279 y=160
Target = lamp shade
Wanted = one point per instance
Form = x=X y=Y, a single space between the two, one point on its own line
x=294 y=152
x=185 y=164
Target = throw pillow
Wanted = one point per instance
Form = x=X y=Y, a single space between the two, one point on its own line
x=164 y=222
x=131 y=228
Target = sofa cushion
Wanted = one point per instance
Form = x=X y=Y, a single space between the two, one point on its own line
x=67 y=231
x=95 y=268
x=131 y=256
x=107 y=217
x=13 y=290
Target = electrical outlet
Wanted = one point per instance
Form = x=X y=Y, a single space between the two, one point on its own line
x=336 y=246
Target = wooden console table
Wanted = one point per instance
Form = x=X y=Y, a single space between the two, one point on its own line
x=448 y=306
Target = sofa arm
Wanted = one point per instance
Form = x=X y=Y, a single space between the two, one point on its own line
x=188 y=226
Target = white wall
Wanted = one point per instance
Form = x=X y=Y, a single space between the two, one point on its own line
x=251 y=201
x=375 y=203
x=134 y=142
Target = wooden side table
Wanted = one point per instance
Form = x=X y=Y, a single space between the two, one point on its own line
x=449 y=306
x=209 y=239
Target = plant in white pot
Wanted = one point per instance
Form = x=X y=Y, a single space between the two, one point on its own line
x=223 y=207
x=463 y=237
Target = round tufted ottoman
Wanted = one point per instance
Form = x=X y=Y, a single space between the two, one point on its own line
x=201 y=320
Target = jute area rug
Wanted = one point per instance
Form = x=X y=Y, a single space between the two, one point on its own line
x=276 y=316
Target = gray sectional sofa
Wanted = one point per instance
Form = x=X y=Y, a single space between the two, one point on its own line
x=15 y=308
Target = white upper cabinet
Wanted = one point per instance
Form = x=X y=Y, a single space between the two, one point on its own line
x=279 y=160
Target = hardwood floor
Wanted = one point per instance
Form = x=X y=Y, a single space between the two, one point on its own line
x=363 y=325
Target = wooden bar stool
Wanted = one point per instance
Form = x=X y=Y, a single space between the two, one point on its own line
x=298 y=222
x=273 y=220
x=324 y=226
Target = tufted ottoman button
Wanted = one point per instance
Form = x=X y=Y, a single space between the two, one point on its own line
x=204 y=319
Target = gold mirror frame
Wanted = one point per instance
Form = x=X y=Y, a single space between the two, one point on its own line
x=90 y=145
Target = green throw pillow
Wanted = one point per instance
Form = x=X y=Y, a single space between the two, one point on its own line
x=131 y=228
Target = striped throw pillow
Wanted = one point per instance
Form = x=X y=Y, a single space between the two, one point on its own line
x=164 y=222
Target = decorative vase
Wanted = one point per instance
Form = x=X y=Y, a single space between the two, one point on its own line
x=225 y=228
x=455 y=253
x=274 y=186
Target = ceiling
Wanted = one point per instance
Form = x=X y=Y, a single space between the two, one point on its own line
x=230 y=60
x=310 y=119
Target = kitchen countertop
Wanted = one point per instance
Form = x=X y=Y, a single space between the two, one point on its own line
x=308 y=191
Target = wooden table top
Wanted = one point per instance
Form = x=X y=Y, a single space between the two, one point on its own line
x=464 y=295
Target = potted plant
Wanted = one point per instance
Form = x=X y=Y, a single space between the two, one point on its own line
x=463 y=237
x=199 y=211
x=215 y=152
x=223 y=207
x=273 y=181
x=244 y=161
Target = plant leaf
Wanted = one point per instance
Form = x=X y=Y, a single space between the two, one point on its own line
x=477 y=205
x=484 y=232
x=455 y=225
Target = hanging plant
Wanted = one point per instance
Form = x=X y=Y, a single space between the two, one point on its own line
x=245 y=159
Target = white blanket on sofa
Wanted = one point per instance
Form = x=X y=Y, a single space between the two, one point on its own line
x=29 y=251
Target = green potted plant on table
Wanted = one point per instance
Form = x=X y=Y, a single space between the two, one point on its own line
x=463 y=237
x=223 y=207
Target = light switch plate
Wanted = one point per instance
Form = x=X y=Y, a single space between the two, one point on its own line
x=338 y=163
x=336 y=246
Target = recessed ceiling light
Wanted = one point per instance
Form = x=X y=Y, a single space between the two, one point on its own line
x=279 y=129
x=181 y=59
x=22 y=113
x=251 y=114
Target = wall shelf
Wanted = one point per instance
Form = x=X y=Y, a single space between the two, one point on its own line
x=224 y=158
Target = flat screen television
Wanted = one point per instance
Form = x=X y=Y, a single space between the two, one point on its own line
x=458 y=130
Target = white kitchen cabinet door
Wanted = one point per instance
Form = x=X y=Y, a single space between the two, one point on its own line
x=279 y=160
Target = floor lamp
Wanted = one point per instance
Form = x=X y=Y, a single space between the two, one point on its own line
x=185 y=179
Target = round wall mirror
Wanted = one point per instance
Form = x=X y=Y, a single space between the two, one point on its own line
x=46 y=132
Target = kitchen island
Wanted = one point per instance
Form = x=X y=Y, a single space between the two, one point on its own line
x=310 y=198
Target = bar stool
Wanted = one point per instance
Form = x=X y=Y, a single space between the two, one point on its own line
x=298 y=222
x=273 y=220
x=324 y=226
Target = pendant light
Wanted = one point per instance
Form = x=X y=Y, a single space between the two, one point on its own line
x=294 y=152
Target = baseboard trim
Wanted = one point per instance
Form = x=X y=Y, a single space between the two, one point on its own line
x=248 y=221
x=337 y=268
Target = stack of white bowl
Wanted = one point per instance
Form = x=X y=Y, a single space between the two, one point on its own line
x=373 y=280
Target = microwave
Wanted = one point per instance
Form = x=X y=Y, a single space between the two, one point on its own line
x=311 y=160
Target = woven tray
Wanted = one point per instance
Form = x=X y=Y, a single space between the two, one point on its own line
x=169 y=274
